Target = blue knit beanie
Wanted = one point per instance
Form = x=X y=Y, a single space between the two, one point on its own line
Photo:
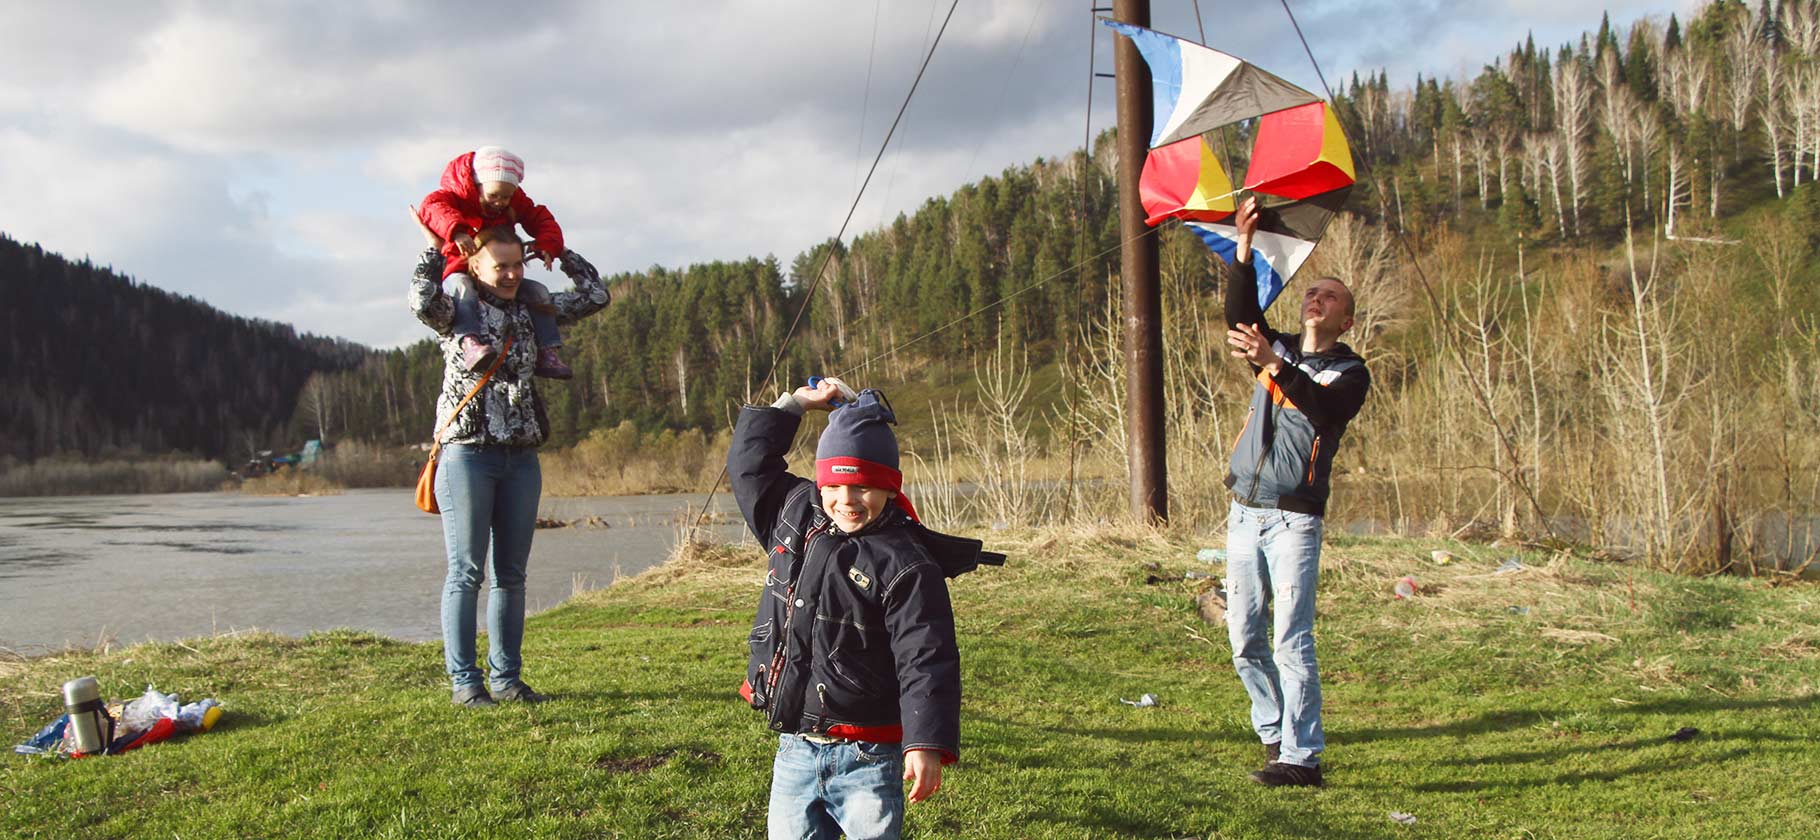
x=858 y=447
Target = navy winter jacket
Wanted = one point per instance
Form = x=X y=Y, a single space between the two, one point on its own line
x=854 y=635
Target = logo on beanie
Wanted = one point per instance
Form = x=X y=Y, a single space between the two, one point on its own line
x=844 y=469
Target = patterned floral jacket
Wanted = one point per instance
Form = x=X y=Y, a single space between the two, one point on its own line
x=508 y=410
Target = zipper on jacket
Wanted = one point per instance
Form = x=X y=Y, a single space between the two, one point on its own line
x=1312 y=458
x=776 y=678
x=1251 y=493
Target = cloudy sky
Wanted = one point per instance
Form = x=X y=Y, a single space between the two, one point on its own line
x=260 y=155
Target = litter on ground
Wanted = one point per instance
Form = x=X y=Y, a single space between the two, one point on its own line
x=1143 y=702
x=147 y=719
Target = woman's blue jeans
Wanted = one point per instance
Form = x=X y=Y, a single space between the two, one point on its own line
x=1273 y=561
x=488 y=495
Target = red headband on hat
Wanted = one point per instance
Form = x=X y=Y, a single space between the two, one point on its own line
x=846 y=470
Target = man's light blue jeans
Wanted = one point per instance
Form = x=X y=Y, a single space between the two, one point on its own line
x=1273 y=560
x=819 y=791
x=488 y=495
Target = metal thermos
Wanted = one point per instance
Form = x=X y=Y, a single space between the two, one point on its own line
x=88 y=715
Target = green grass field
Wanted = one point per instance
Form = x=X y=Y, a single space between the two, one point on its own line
x=1533 y=704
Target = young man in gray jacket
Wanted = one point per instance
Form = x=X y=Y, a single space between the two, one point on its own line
x=1309 y=386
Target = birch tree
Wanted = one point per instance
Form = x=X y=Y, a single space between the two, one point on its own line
x=1772 y=106
x=1615 y=108
x=1744 y=59
x=1573 y=107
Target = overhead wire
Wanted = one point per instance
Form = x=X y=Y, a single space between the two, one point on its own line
x=821 y=268
x=1080 y=237
x=1434 y=301
x=865 y=101
x=1003 y=299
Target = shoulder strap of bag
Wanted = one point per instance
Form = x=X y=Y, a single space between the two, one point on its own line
x=437 y=440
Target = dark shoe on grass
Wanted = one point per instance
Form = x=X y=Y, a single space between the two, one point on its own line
x=1278 y=774
x=520 y=693
x=473 y=697
x=1273 y=751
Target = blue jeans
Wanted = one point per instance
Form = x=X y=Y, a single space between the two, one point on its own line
x=460 y=288
x=488 y=494
x=1273 y=560
x=819 y=791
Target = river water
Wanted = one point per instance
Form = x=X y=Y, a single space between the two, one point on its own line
x=89 y=570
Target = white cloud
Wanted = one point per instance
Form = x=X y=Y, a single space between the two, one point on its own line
x=260 y=155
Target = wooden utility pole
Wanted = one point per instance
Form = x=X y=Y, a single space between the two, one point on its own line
x=1143 y=301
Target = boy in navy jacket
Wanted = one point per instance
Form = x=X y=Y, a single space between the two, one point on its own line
x=853 y=657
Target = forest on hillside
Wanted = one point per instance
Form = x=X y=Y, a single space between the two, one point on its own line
x=1677 y=128
x=99 y=365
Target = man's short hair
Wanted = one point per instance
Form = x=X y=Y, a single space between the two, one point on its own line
x=1352 y=302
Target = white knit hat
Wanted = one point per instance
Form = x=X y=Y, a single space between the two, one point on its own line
x=494 y=163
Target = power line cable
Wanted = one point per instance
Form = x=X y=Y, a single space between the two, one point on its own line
x=821 y=269
x=1441 y=315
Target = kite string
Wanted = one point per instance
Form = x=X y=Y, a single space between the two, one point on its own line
x=821 y=268
x=1434 y=302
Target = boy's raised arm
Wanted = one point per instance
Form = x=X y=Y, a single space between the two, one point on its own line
x=755 y=465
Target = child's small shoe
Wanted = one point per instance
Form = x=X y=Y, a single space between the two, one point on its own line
x=477 y=354
x=551 y=366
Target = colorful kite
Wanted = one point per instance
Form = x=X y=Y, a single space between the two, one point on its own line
x=1301 y=167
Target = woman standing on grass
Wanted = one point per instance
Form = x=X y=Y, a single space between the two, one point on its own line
x=488 y=481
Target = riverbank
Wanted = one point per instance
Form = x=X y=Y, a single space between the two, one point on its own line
x=1529 y=703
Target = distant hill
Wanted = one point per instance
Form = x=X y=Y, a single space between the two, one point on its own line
x=96 y=363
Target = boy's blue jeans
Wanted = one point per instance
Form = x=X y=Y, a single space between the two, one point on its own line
x=1275 y=556
x=460 y=288
x=819 y=791
x=488 y=494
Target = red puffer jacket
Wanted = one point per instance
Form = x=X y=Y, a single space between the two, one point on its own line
x=455 y=208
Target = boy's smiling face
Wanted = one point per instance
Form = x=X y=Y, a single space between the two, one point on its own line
x=854 y=506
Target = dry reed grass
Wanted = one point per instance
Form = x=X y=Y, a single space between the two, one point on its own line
x=74 y=476
x=289 y=482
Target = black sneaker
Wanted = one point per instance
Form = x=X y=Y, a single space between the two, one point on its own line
x=1278 y=774
x=473 y=697
x=1273 y=751
x=520 y=693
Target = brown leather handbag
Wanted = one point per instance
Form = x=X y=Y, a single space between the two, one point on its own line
x=426 y=483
